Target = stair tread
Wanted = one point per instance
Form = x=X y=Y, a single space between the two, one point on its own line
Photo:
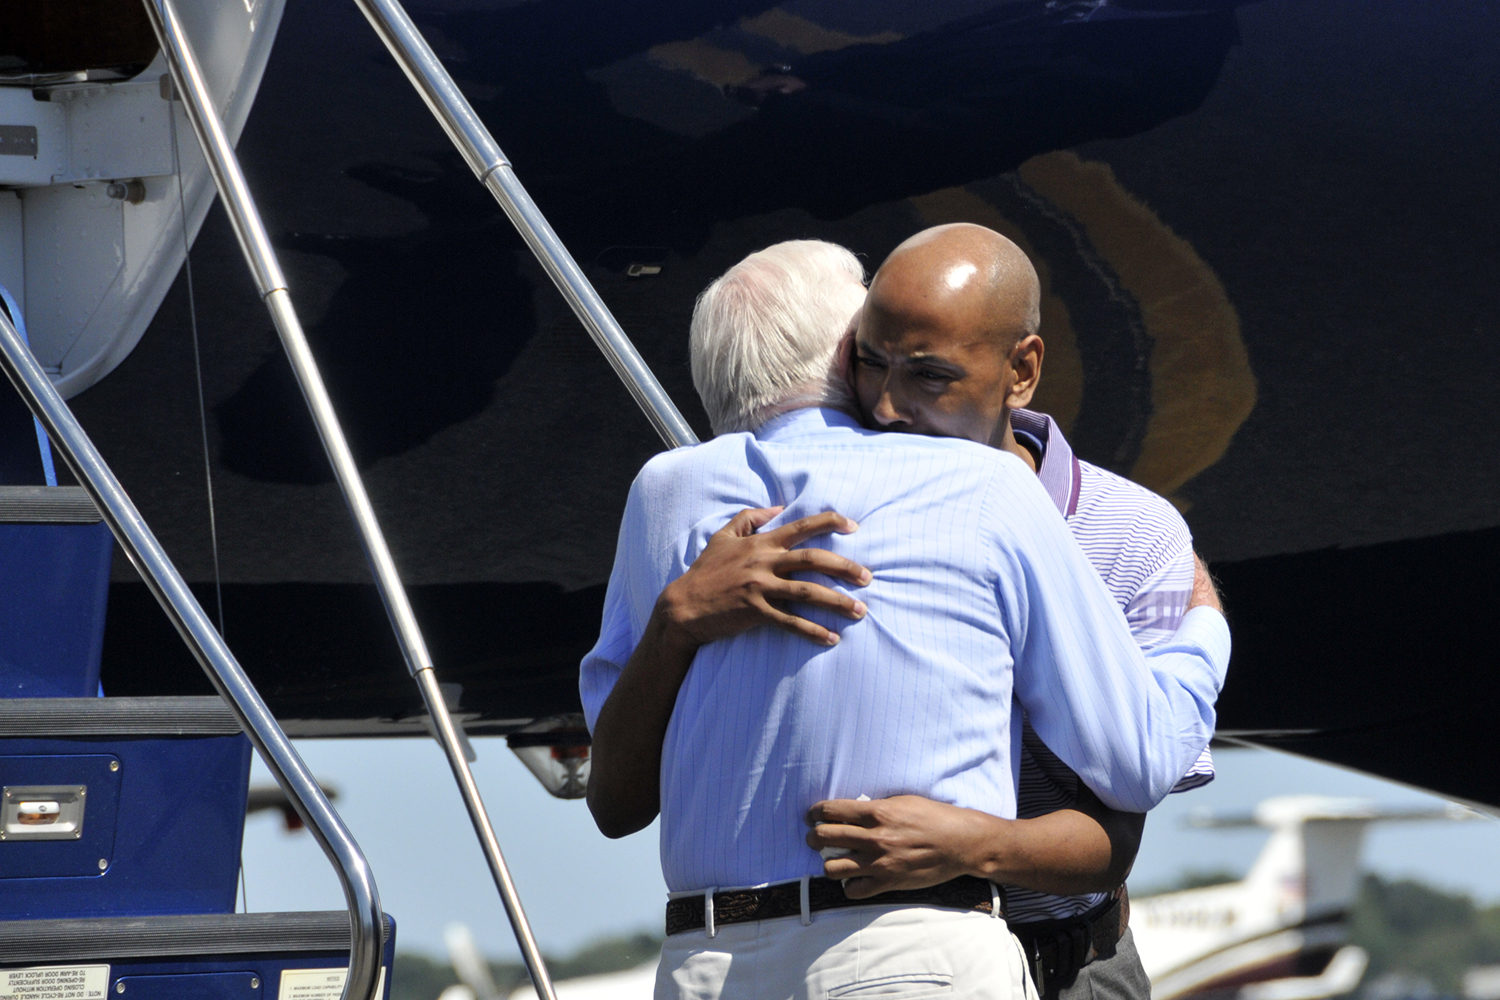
x=47 y=505
x=24 y=941
x=162 y=716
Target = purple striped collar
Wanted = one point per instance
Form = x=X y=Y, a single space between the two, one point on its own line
x=1059 y=470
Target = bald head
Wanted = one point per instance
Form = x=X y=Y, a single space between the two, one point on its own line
x=960 y=276
x=946 y=343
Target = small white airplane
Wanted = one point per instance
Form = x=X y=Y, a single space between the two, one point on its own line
x=638 y=983
x=1278 y=934
x=475 y=982
x=1281 y=932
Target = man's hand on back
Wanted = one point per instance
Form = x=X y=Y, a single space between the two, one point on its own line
x=903 y=842
x=909 y=842
x=742 y=578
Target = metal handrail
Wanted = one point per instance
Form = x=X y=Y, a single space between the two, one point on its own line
x=251 y=232
x=452 y=110
x=207 y=646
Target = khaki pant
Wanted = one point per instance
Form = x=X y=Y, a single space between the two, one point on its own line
x=859 y=953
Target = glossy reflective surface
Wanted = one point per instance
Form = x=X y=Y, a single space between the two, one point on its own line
x=1267 y=233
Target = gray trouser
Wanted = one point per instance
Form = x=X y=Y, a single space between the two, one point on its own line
x=1117 y=977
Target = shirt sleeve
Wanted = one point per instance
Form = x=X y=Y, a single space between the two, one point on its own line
x=1202 y=773
x=619 y=632
x=1130 y=724
x=1156 y=608
x=1153 y=615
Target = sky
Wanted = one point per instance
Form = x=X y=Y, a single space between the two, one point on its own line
x=398 y=798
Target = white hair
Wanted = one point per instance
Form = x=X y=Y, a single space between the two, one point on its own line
x=766 y=333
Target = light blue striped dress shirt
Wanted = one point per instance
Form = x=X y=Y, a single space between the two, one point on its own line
x=979 y=592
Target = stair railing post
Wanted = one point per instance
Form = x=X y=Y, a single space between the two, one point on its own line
x=266 y=270
x=454 y=113
x=366 y=921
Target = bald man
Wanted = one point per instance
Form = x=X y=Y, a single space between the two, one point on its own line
x=947 y=342
x=978 y=592
x=947 y=345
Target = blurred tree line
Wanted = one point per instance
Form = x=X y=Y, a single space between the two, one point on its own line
x=1409 y=927
x=418 y=977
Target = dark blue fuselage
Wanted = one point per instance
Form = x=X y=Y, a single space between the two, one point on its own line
x=1267 y=232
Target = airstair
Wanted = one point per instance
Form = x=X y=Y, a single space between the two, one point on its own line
x=121 y=819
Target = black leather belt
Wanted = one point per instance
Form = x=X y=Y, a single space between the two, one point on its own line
x=739 y=906
x=1057 y=949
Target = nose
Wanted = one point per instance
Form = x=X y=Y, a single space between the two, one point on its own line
x=886 y=413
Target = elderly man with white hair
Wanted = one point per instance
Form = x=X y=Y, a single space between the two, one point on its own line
x=975 y=594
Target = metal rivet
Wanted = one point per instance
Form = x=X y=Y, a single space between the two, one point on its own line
x=120 y=986
x=114 y=765
x=103 y=864
x=254 y=982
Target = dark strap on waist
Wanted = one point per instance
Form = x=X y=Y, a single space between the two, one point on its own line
x=1057 y=949
x=739 y=906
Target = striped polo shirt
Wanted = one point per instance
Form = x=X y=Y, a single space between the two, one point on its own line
x=1142 y=549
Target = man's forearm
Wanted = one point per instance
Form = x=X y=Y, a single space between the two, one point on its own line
x=624 y=790
x=1149 y=725
x=1066 y=853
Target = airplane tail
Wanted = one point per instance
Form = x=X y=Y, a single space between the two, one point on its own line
x=1280 y=933
x=474 y=980
x=1311 y=862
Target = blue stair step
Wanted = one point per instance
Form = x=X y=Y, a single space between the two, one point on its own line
x=120 y=806
x=224 y=956
x=55 y=555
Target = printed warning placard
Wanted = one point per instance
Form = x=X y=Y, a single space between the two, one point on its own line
x=317 y=984
x=55 y=982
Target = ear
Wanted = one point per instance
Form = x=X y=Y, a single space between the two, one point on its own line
x=1026 y=370
x=843 y=358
